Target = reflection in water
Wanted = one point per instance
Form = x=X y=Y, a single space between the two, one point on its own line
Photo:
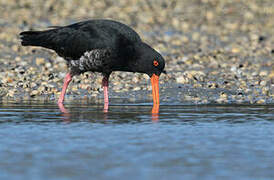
x=66 y=114
x=66 y=117
x=155 y=112
x=131 y=113
x=103 y=116
x=155 y=117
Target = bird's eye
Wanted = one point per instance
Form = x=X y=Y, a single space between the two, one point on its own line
x=155 y=63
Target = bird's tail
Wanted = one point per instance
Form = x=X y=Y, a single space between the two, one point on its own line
x=35 y=38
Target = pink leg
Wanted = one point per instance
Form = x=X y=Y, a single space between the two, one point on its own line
x=105 y=86
x=66 y=83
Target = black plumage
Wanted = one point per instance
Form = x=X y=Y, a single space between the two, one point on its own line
x=98 y=46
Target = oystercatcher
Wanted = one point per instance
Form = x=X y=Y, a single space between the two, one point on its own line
x=100 y=46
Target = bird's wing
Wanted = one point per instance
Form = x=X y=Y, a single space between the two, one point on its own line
x=72 y=41
x=68 y=42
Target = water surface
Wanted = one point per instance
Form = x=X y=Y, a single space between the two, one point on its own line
x=37 y=141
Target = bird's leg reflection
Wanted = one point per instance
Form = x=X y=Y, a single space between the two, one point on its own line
x=65 y=112
x=66 y=117
x=155 y=112
x=105 y=115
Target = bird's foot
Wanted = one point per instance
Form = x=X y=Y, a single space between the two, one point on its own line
x=62 y=108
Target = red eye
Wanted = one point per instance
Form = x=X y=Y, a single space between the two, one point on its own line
x=155 y=63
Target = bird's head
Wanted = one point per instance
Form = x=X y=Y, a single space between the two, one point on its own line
x=148 y=60
x=151 y=62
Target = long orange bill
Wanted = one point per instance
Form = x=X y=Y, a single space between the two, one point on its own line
x=155 y=89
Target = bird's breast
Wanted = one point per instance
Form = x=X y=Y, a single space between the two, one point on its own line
x=97 y=60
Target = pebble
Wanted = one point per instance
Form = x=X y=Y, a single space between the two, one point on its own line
x=223 y=96
x=137 y=88
x=263 y=73
x=261 y=101
x=39 y=61
x=182 y=80
x=2 y=92
x=34 y=93
x=235 y=50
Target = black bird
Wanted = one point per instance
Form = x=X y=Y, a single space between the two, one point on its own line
x=99 y=46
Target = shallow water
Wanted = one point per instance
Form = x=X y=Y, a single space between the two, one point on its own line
x=37 y=141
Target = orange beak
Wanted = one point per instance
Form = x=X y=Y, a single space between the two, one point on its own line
x=155 y=89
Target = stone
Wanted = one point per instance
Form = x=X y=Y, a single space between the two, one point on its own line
x=39 y=61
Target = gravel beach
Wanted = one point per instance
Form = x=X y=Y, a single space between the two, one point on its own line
x=216 y=51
